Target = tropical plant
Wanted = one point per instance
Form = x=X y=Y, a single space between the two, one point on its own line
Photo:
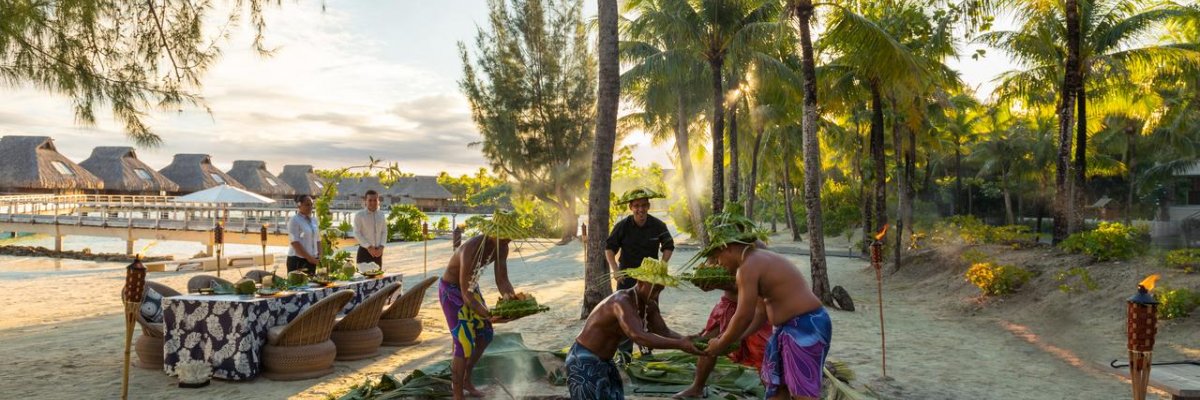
x=1110 y=241
x=405 y=222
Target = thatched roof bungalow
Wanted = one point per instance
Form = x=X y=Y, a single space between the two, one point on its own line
x=123 y=173
x=423 y=191
x=355 y=188
x=195 y=172
x=32 y=164
x=302 y=179
x=254 y=176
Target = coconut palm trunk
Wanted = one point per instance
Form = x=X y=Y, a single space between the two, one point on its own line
x=596 y=283
x=1064 y=201
x=878 y=163
x=734 y=182
x=718 y=136
x=752 y=185
x=682 y=146
x=812 y=158
x=898 y=157
x=787 y=196
x=1080 y=153
x=955 y=206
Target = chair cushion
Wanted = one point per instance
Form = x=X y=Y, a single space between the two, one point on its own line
x=273 y=334
x=152 y=306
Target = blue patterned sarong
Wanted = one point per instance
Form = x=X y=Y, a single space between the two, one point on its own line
x=592 y=378
x=796 y=354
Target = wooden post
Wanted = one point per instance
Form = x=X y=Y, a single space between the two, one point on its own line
x=58 y=239
x=425 y=238
x=877 y=263
x=129 y=237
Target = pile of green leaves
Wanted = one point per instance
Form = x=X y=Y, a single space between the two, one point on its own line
x=1176 y=303
x=517 y=308
x=1187 y=260
x=1110 y=241
x=701 y=344
x=418 y=384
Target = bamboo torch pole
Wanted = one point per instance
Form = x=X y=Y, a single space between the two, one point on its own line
x=877 y=263
x=131 y=297
x=219 y=238
x=262 y=237
x=1141 y=327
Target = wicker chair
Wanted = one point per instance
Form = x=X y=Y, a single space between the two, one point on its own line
x=302 y=349
x=399 y=321
x=357 y=335
x=258 y=275
x=203 y=281
x=149 y=345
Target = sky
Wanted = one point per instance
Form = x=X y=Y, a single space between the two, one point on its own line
x=354 y=80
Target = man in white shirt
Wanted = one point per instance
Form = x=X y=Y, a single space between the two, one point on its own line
x=304 y=237
x=370 y=230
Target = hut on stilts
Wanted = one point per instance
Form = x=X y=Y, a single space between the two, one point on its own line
x=302 y=180
x=195 y=172
x=32 y=164
x=254 y=176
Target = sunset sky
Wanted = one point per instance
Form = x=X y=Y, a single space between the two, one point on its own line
x=359 y=79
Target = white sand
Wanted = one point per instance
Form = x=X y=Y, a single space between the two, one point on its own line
x=61 y=334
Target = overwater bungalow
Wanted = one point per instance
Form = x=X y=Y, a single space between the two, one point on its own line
x=254 y=176
x=123 y=173
x=422 y=191
x=195 y=172
x=355 y=188
x=33 y=165
x=302 y=179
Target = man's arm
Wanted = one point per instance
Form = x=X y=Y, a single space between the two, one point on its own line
x=748 y=301
x=502 y=282
x=360 y=234
x=611 y=256
x=381 y=233
x=760 y=316
x=294 y=233
x=658 y=325
x=667 y=255
x=667 y=243
x=631 y=324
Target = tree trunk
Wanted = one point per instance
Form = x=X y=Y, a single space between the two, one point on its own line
x=596 y=282
x=1064 y=202
x=812 y=159
x=901 y=178
x=1130 y=164
x=879 y=173
x=752 y=185
x=1080 y=183
x=718 y=142
x=955 y=207
x=734 y=182
x=910 y=178
x=1008 y=209
x=787 y=198
x=1041 y=212
x=683 y=147
x=868 y=209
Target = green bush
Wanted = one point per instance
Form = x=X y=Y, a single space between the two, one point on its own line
x=404 y=221
x=443 y=225
x=1176 y=303
x=840 y=208
x=1109 y=241
x=971 y=230
x=1187 y=260
x=996 y=280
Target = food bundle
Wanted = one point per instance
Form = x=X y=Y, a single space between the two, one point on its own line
x=245 y=286
x=702 y=344
x=523 y=305
x=710 y=276
x=297 y=278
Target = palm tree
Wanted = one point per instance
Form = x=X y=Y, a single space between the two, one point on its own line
x=596 y=286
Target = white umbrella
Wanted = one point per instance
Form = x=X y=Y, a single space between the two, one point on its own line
x=223 y=194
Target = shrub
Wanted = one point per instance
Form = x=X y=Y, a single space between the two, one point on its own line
x=1176 y=303
x=404 y=221
x=443 y=225
x=995 y=280
x=1082 y=275
x=1109 y=241
x=1187 y=260
x=971 y=230
x=974 y=256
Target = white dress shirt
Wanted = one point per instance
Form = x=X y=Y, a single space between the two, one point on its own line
x=370 y=228
x=304 y=230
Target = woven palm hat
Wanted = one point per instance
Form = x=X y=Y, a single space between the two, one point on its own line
x=651 y=271
x=503 y=225
x=728 y=227
x=639 y=193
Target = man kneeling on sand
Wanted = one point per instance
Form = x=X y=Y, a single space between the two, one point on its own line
x=628 y=313
x=800 y=341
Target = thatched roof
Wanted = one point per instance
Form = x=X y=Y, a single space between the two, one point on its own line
x=33 y=163
x=419 y=187
x=357 y=187
x=195 y=172
x=302 y=179
x=122 y=171
x=254 y=176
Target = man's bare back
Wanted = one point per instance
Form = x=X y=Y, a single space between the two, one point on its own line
x=469 y=254
x=780 y=284
x=623 y=315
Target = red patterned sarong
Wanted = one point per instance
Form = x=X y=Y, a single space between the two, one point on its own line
x=751 y=351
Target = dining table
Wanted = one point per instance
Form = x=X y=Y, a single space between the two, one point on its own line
x=229 y=331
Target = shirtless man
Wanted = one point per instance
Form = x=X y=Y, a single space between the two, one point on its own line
x=800 y=341
x=631 y=313
x=463 y=305
x=751 y=344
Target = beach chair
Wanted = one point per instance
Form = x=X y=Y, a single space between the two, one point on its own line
x=203 y=281
x=302 y=349
x=357 y=335
x=258 y=275
x=399 y=321
x=149 y=346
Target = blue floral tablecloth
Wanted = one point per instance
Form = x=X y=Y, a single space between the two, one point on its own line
x=229 y=331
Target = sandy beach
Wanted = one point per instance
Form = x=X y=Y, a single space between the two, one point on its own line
x=61 y=331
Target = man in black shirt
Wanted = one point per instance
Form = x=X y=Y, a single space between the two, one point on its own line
x=637 y=236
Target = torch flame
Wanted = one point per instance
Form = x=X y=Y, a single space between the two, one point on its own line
x=1148 y=283
x=142 y=252
x=882 y=232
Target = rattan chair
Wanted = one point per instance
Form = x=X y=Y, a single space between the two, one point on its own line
x=149 y=345
x=302 y=349
x=203 y=281
x=399 y=321
x=258 y=275
x=357 y=335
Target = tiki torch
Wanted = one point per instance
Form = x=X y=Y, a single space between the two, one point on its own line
x=1141 y=325
x=424 y=237
x=219 y=240
x=131 y=296
x=877 y=263
x=262 y=237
